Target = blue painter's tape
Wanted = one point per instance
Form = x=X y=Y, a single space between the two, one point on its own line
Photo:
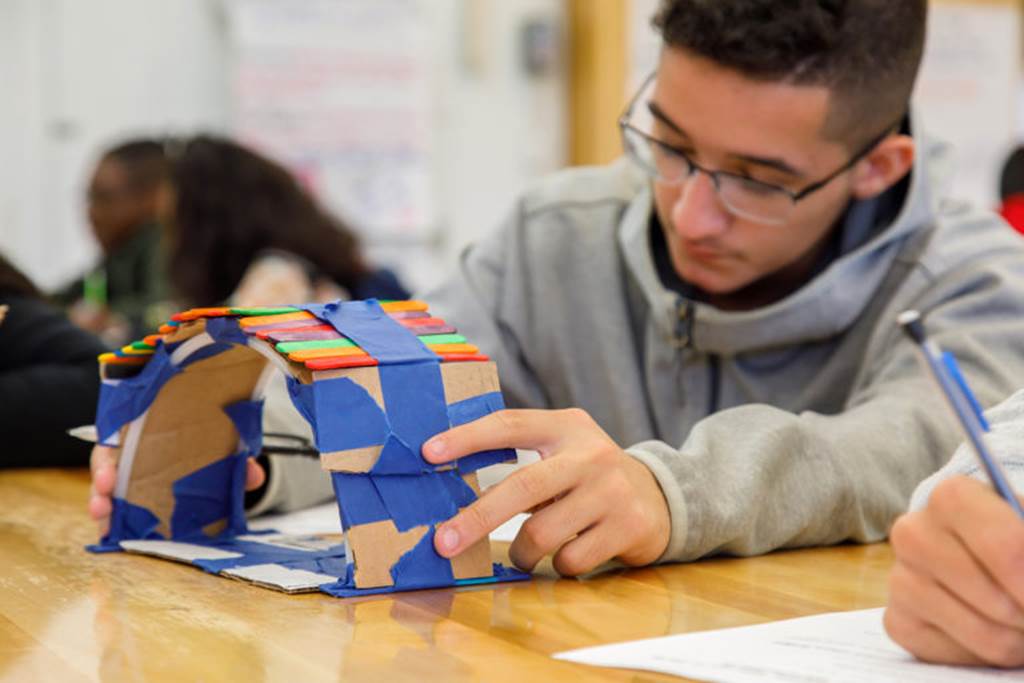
x=346 y=416
x=473 y=409
x=121 y=403
x=416 y=500
x=414 y=400
x=366 y=323
x=358 y=499
x=397 y=458
x=461 y=493
x=129 y=522
x=226 y=331
x=208 y=495
x=422 y=567
x=305 y=402
x=248 y=419
x=476 y=461
x=329 y=561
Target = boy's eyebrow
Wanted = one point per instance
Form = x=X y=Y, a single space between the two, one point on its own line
x=769 y=162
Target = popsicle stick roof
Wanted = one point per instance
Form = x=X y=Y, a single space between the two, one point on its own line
x=298 y=336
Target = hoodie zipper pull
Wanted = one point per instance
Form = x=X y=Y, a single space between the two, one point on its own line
x=683 y=336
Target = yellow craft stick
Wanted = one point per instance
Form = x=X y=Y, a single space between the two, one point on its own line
x=129 y=351
x=255 y=320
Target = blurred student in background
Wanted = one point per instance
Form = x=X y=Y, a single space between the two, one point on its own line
x=1011 y=190
x=241 y=230
x=121 y=297
x=49 y=381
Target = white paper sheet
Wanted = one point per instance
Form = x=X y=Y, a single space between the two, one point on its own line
x=841 y=647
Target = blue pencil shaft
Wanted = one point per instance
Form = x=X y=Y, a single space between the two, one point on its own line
x=957 y=396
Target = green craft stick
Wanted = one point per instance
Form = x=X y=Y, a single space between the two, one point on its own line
x=264 y=311
x=288 y=347
x=142 y=346
x=443 y=339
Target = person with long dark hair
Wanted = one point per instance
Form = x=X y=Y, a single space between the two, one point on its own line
x=49 y=380
x=241 y=229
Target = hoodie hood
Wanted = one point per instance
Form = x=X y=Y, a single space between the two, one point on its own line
x=827 y=304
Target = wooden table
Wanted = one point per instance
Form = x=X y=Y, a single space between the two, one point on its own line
x=68 y=615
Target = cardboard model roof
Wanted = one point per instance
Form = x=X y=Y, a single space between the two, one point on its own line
x=374 y=380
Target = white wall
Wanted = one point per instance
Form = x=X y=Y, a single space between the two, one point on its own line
x=85 y=75
x=79 y=75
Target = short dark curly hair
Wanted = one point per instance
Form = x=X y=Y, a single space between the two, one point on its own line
x=867 y=52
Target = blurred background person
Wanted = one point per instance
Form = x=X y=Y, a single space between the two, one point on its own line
x=240 y=230
x=49 y=380
x=1011 y=190
x=120 y=297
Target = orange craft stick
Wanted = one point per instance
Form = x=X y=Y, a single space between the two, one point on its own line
x=194 y=313
x=400 y=306
x=453 y=348
x=310 y=354
x=299 y=327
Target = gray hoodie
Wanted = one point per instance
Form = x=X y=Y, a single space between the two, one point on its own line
x=805 y=422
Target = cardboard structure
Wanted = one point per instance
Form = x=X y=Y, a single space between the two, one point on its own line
x=374 y=380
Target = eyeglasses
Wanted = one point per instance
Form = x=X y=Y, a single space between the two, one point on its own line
x=741 y=195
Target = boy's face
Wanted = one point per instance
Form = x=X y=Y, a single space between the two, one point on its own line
x=116 y=209
x=727 y=122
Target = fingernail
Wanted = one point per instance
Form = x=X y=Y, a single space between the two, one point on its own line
x=449 y=540
x=434 y=447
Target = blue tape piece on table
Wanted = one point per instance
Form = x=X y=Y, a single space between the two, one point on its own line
x=263 y=553
x=128 y=521
x=473 y=409
x=422 y=567
x=129 y=398
x=366 y=323
x=210 y=494
x=358 y=499
x=415 y=404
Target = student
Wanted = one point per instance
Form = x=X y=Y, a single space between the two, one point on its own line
x=49 y=380
x=120 y=297
x=242 y=230
x=700 y=340
x=957 y=586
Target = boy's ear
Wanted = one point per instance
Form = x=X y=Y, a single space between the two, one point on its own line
x=883 y=167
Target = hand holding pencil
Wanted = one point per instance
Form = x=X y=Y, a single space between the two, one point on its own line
x=957 y=585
